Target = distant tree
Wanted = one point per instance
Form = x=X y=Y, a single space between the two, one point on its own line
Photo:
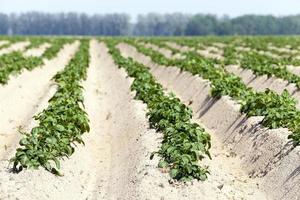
x=152 y=24
x=202 y=25
x=161 y=25
x=4 y=24
x=289 y=25
x=254 y=24
x=36 y=23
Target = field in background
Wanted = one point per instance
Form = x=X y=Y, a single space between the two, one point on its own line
x=149 y=118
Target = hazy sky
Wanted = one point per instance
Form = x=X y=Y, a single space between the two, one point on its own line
x=134 y=7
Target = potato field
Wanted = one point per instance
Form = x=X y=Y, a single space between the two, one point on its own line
x=145 y=118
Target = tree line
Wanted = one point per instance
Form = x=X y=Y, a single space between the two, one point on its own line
x=152 y=24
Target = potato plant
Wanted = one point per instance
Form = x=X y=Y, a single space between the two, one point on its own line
x=184 y=143
x=61 y=124
x=278 y=110
x=15 y=62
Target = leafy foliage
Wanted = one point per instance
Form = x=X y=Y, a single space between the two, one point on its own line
x=184 y=143
x=15 y=62
x=11 y=40
x=278 y=110
x=265 y=65
x=61 y=124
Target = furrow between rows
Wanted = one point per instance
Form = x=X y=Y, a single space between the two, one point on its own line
x=264 y=153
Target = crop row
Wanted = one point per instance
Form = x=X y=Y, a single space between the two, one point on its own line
x=274 y=45
x=36 y=42
x=11 y=40
x=260 y=64
x=268 y=48
x=184 y=143
x=15 y=62
x=61 y=124
x=278 y=110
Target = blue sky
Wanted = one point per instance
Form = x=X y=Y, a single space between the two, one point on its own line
x=134 y=7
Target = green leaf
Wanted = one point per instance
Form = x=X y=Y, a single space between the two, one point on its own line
x=174 y=173
x=162 y=164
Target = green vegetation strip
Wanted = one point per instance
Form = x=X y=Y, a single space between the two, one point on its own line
x=11 y=40
x=278 y=110
x=262 y=44
x=260 y=64
x=184 y=143
x=56 y=45
x=36 y=42
x=161 y=44
x=6 y=45
x=61 y=124
x=14 y=62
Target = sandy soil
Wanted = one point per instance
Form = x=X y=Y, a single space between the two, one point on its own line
x=179 y=47
x=261 y=83
x=166 y=52
x=293 y=69
x=21 y=95
x=220 y=45
x=107 y=166
x=40 y=184
x=242 y=48
x=227 y=179
x=283 y=50
x=206 y=52
x=19 y=46
x=271 y=54
x=38 y=51
x=3 y=42
x=114 y=163
x=266 y=155
x=216 y=49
